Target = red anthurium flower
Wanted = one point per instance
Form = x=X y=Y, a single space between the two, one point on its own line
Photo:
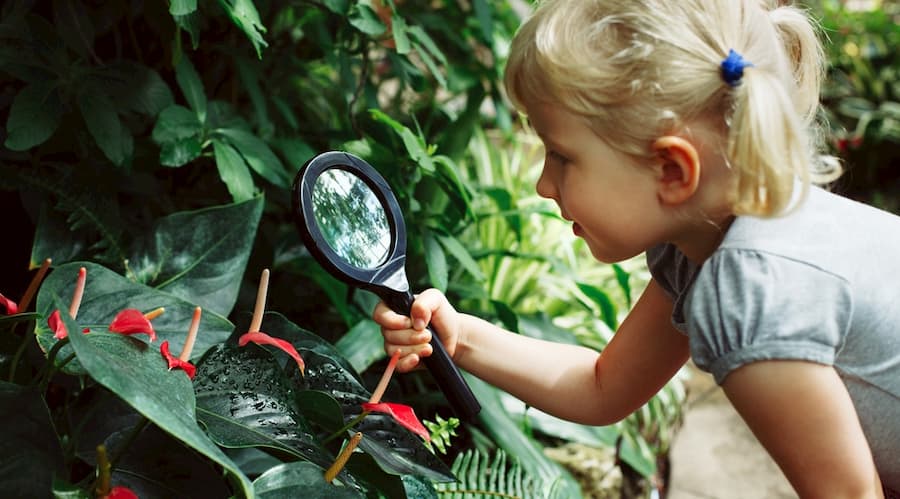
x=11 y=307
x=119 y=492
x=56 y=324
x=175 y=362
x=264 y=339
x=132 y=321
x=403 y=414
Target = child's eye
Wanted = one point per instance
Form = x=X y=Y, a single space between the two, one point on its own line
x=557 y=158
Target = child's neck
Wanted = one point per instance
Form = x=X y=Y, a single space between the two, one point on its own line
x=702 y=238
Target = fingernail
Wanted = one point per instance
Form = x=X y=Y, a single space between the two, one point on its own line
x=418 y=324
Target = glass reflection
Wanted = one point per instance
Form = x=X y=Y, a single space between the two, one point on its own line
x=351 y=218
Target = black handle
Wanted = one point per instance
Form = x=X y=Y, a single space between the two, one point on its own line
x=442 y=368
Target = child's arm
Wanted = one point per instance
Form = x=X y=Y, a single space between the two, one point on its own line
x=568 y=381
x=802 y=414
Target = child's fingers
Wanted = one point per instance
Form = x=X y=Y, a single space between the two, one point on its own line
x=410 y=356
x=388 y=319
x=405 y=337
x=424 y=306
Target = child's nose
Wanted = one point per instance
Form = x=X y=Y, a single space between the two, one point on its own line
x=545 y=187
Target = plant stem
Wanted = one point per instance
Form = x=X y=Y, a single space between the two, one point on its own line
x=342 y=458
x=26 y=340
x=256 y=321
x=353 y=422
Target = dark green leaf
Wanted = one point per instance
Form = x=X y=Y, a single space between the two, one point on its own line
x=35 y=115
x=366 y=20
x=180 y=152
x=182 y=7
x=362 y=345
x=243 y=13
x=107 y=293
x=244 y=399
x=300 y=479
x=607 y=307
x=103 y=122
x=395 y=448
x=456 y=248
x=337 y=6
x=135 y=87
x=73 y=25
x=398 y=25
x=233 y=171
x=175 y=123
x=200 y=255
x=192 y=87
x=485 y=19
x=257 y=154
x=437 y=261
x=33 y=454
x=138 y=373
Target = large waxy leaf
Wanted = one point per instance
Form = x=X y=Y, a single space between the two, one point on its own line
x=200 y=255
x=138 y=374
x=245 y=400
x=33 y=454
x=107 y=293
x=396 y=449
x=233 y=171
x=299 y=479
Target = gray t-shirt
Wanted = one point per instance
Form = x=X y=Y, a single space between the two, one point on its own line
x=821 y=284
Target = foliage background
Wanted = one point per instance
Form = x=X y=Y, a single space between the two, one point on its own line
x=134 y=131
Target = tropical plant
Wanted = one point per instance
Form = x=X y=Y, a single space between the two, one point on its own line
x=154 y=147
x=862 y=98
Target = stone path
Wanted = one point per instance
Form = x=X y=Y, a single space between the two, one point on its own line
x=715 y=456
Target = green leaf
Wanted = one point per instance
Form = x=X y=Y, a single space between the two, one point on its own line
x=337 y=6
x=300 y=479
x=200 y=255
x=243 y=13
x=436 y=261
x=192 y=87
x=244 y=399
x=366 y=20
x=176 y=123
x=233 y=171
x=136 y=87
x=257 y=154
x=138 y=373
x=182 y=7
x=107 y=293
x=103 y=122
x=462 y=255
x=398 y=25
x=395 y=448
x=555 y=481
x=485 y=20
x=35 y=115
x=362 y=345
x=25 y=426
x=607 y=307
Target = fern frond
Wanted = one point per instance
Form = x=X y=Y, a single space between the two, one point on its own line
x=441 y=431
x=481 y=477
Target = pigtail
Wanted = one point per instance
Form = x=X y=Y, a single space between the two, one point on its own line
x=775 y=137
x=767 y=145
x=807 y=59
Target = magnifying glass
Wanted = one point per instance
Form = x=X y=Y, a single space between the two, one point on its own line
x=351 y=223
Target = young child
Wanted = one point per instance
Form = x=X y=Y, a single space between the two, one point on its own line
x=685 y=129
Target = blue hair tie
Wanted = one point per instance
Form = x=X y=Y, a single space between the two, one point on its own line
x=733 y=68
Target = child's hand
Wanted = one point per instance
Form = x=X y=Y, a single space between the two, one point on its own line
x=410 y=336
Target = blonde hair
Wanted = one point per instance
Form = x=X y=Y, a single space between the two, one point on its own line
x=639 y=69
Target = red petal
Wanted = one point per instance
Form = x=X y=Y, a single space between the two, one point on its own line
x=264 y=339
x=119 y=492
x=403 y=414
x=132 y=321
x=57 y=326
x=11 y=307
x=175 y=362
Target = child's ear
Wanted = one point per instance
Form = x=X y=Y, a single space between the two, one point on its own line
x=678 y=174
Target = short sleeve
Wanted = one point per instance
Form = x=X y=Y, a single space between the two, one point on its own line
x=674 y=273
x=747 y=306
